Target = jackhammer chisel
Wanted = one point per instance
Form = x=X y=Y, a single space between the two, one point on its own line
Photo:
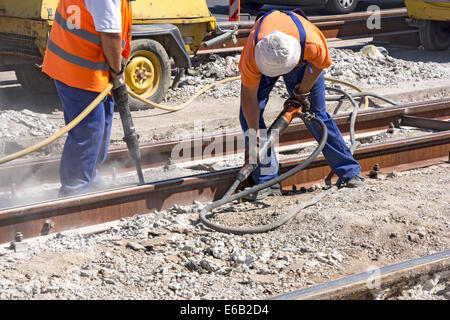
x=292 y=108
x=120 y=95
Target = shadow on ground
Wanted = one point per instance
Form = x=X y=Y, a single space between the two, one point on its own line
x=14 y=97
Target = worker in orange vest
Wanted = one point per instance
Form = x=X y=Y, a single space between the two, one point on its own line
x=89 y=45
x=285 y=43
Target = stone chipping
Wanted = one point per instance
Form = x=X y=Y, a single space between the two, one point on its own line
x=170 y=255
x=25 y=123
x=348 y=65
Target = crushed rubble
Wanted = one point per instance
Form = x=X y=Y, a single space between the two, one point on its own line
x=25 y=123
x=434 y=287
x=347 y=65
x=371 y=73
x=20 y=129
x=169 y=255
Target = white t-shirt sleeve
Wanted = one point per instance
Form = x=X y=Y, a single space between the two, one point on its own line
x=107 y=15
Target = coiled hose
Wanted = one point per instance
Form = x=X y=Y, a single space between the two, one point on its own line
x=261 y=186
x=293 y=210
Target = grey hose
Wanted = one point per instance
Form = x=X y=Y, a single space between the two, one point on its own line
x=360 y=95
x=354 y=143
x=294 y=210
x=259 y=187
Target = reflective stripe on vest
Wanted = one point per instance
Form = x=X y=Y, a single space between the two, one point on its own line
x=83 y=34
x=99 y=66
x=74 y=51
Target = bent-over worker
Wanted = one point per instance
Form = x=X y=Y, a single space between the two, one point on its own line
x=284 y=43
x=89 y=44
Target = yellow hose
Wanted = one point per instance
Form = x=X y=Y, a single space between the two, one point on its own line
x=184 y=105
x=366 y=99
x=200 y=92
x=108 y=88
x=64 y=130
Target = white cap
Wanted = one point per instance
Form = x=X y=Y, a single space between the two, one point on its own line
x=277 y=53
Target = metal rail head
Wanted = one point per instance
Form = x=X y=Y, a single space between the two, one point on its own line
x=120 y=96
x=360 y=284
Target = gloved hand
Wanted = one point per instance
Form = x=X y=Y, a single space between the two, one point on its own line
x=117 y=77
x=118 y=81
x=303 y=97
x=293 y=102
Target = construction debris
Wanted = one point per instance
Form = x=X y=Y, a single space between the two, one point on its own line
x=168 y=255
x=348 y=65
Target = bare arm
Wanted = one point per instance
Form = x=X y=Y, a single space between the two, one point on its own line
x=250 y=107
x=308 y=81
x=112 y=49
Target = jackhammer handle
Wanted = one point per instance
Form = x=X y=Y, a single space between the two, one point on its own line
x=292 y=109
x=120 y=96
x=278 y=127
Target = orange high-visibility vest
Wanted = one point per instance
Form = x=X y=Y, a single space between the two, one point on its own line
x=74 y=53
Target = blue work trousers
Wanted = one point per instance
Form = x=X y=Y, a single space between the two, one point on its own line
x=336 y=152
x=87 y=144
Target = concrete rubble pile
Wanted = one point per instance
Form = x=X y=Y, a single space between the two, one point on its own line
x=377 y=73
x=347 y=65
x=20 y=129
x=25 y=123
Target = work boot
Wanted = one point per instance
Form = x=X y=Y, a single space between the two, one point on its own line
x=274 y=190
x=355 y=182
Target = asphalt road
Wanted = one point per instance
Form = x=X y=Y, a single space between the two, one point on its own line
x=219 y=8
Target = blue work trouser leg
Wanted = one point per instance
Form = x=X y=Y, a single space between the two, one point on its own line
x=269 y=168
x=336 y=152
x=87 y=144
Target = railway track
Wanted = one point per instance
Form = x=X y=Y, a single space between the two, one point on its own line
x=367 y=285
x=46 y=170
x=94 y=209
x=69 y=213
x=392 y=26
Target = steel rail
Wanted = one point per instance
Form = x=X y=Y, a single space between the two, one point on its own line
x=46 y=170
x=97 y=208
x=334 y=27
x=366 y=285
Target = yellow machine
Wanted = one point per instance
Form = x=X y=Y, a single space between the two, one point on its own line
x=433 y=19
x=162 y=30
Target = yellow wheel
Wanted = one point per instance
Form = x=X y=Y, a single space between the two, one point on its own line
x=148 y=72
x=143 y=73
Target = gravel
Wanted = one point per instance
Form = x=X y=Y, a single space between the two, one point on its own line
x=348 y=65
x=25 y=123
x=17 y=127
x=169 y=255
